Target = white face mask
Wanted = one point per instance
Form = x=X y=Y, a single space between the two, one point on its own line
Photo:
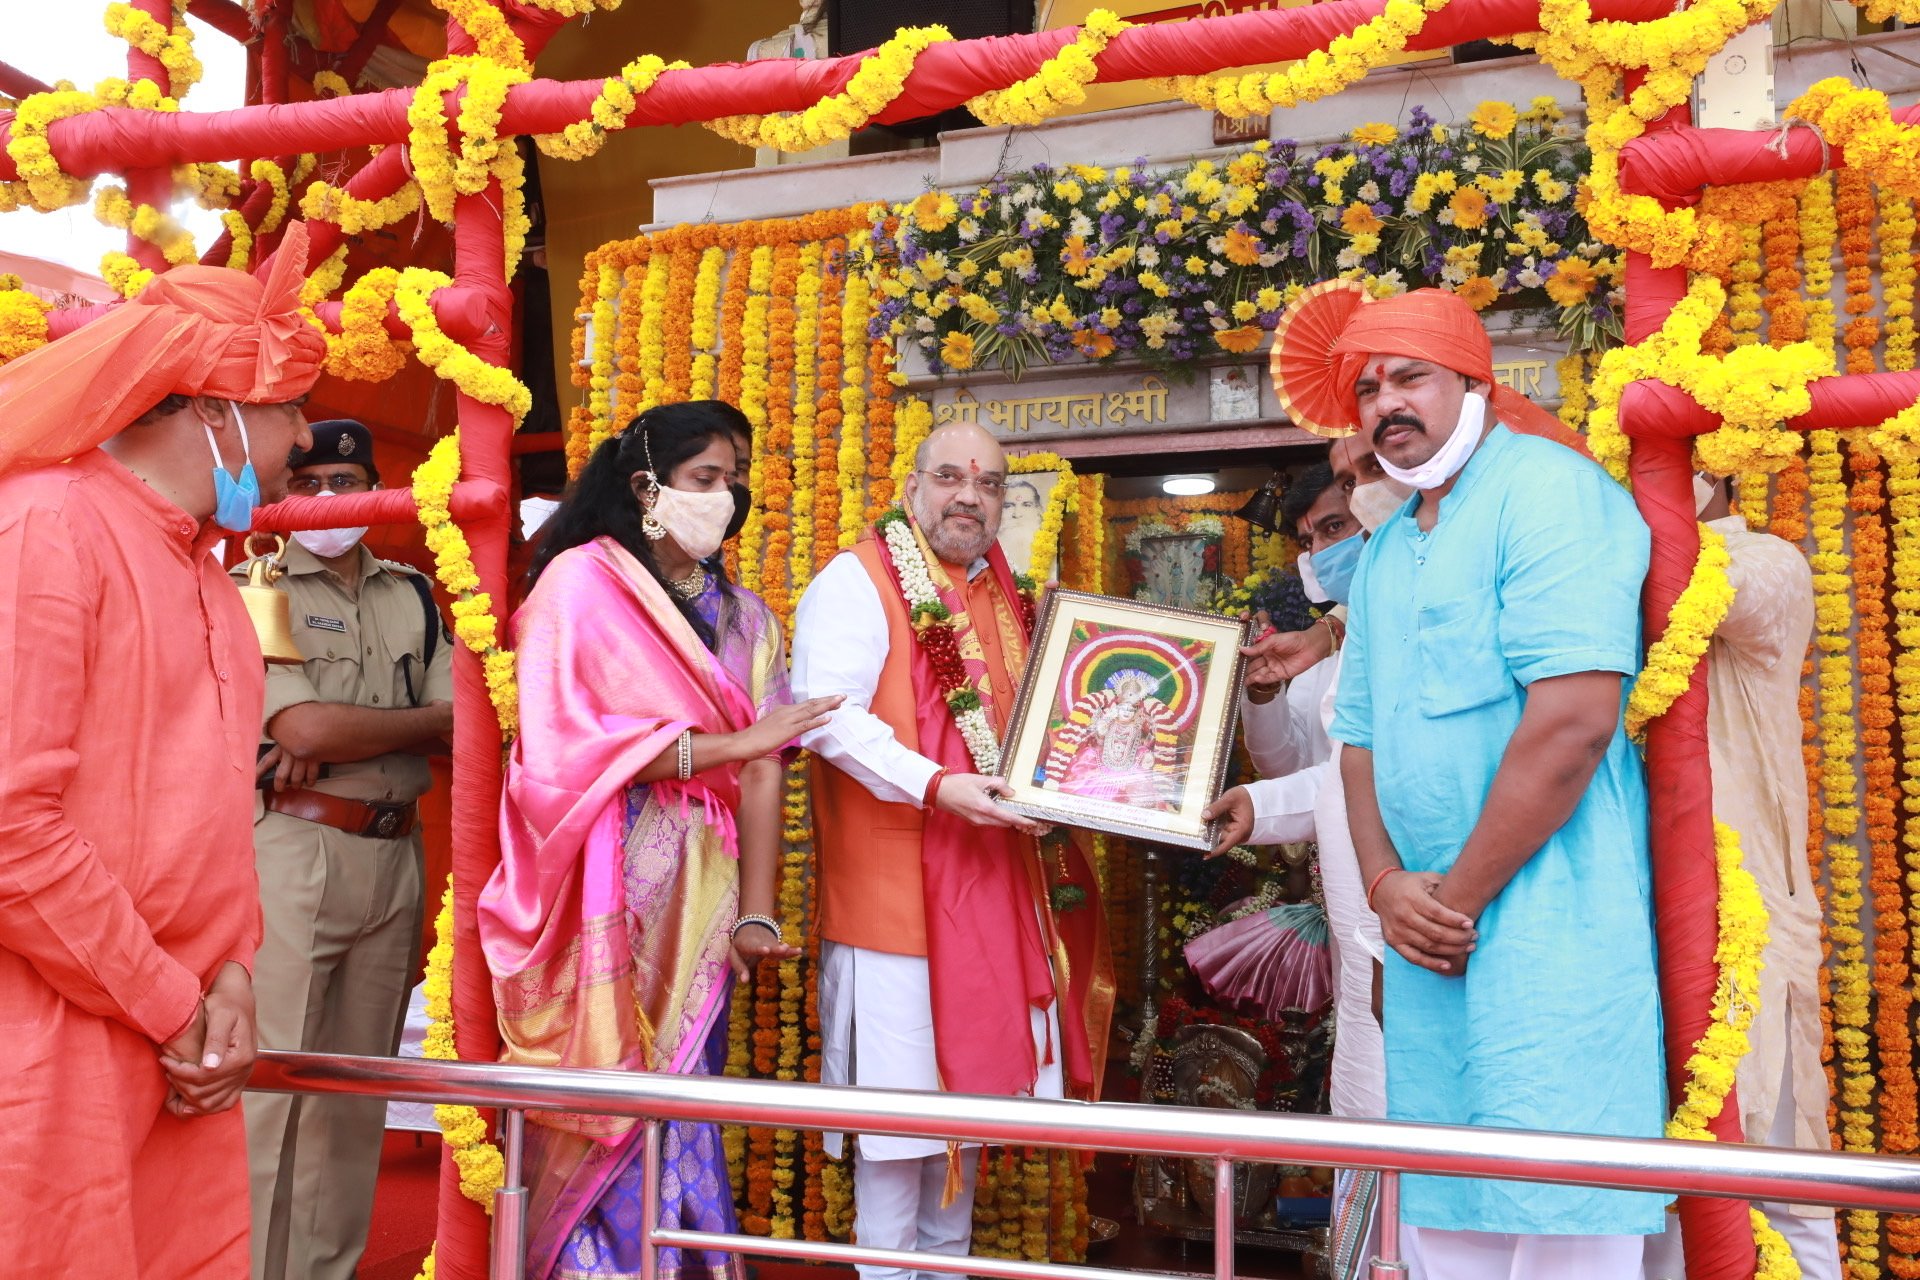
x=1374 y=503
x=1451 y=456
x=1310 y=582
x=329 y=544
x=696 y=521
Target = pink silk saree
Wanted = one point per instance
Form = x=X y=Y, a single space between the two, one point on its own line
x=606 y=925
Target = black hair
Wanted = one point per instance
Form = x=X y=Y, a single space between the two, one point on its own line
x=1303 y=493
x=170 y=404
x=602 y=502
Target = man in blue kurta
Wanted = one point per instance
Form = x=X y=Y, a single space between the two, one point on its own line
x=1497 y=808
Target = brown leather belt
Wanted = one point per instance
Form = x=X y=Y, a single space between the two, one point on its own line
x=355 y=817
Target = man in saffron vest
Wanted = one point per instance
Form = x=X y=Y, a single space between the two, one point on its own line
x=943 y=961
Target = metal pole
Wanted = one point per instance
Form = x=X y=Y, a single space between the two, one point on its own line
x=510 y=1205
x=1222 y=1219
x=650 y=1203
x=1386 y=1264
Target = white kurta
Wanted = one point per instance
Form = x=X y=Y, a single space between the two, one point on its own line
x=1301 y=798
x=876 y=1008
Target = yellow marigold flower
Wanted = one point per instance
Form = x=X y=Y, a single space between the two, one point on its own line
x=978 y=309
x=1438 y=133
x=1110 y=316
x=1170 y=227
x=1244 y=310
x=1069 y=190
x=1376 y=135
x=1477 y=291
x=1195 y=265
x=1358 y=219
x=956 y=350
x=1269 y=299
x=1242 y=249
x=934 y=211
x=1493 y=119
x=994 y=279
x=1469 y=206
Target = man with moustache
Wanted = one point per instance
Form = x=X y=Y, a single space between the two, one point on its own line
x=129 y=908
x=1494 y=621
x=942 y=963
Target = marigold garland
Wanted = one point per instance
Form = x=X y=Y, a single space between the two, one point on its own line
x=413 y=297
x=1850 y=982
x=617 y=99
x=806 y=410
x=875 y=83
x=473 y=618
x=1819 y=228
x=362 y=351
x=1696 y=615
x=1742 y=918
x=1060 y=82
x=171 y=44
x=1063 y=500
x=482 y=1168
x=754 y=340
x=853 y=397
x=827 y=501
x=1903 y=485
x=323 y=202
x=1855 y=209
x=776 y=471
x=703 y=335
x=1320 y=74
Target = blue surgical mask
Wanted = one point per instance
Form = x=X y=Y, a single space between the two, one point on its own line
x=234 y=500
x=1333 y=567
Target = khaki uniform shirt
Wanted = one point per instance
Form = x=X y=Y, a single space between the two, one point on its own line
x=361 y=649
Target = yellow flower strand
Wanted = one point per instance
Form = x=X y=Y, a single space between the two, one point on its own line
x=1062 y=502
x=448 y=359
x=113 y=208
x=1742 y=917
x=913 y=424
x=445 y=174
x=855 y=312
x=1061 y=81
x=173 y=45
x=126 y=276
x=652 y=324
x=600 y=381
x=875 y=83
x=753 y=400
x=363 y=351
x=482 y=1168
x=1696 y=615
x=1321 y=73
x=705 y=332
x=323 y=202
x=617 y=99
x=806 y=338
x=473 y=618
x=493 y=36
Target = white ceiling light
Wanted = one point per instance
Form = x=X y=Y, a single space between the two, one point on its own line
x=1187 y=486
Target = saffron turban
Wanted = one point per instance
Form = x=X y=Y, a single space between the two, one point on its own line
x=196 y=331
x=1328 y=334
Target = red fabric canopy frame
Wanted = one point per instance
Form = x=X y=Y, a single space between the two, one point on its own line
x=1672 y=165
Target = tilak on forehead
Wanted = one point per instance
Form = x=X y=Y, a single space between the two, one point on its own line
x=1325 y=338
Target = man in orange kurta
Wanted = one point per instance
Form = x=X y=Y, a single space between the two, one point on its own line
x=133 y=683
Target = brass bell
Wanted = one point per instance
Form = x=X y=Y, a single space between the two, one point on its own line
x=271 y=610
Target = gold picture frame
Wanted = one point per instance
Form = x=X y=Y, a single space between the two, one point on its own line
x=1125 y=718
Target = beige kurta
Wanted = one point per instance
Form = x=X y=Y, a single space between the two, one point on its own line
x=1760 y=789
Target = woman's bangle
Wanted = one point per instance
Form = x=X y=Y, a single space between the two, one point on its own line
x=685 y=746
x=772 y=925
x=1376 y=883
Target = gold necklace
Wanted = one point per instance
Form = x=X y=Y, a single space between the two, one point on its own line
x=691 y=586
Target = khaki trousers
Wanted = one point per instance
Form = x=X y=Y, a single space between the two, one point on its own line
x=342 y=928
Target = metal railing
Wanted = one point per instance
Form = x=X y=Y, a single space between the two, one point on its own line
x=1224 y=1137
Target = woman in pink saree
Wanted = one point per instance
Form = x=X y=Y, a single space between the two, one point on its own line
x=640 y=827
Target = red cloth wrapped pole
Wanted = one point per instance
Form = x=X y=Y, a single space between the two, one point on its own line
x=1717 y=1234
x=150 y=183
x=486 y=437
x=944 y=76
x=472 y=500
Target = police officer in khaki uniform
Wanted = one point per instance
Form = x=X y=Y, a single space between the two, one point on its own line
x=338 y=847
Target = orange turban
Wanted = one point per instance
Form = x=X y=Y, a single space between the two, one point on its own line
x=1325 y=338
x=197 y=331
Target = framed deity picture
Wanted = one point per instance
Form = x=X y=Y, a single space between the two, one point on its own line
x=1125 y=718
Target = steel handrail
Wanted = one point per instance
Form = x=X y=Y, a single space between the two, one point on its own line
x=1646 y=1164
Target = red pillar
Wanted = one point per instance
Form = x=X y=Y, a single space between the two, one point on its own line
x=486 y=440
x=149 y=186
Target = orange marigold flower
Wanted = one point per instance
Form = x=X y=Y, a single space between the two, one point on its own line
x=1478 y=291
x=1572 y=282
x=1359 y=220
x=1241 y=340
x=956 y=350
x=1242 y=248
x=1076 y=256
x=1092 y=343
x=1469 y=206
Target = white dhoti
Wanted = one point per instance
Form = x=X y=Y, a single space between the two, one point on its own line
x=1487 y=1255
x=876 y=1027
